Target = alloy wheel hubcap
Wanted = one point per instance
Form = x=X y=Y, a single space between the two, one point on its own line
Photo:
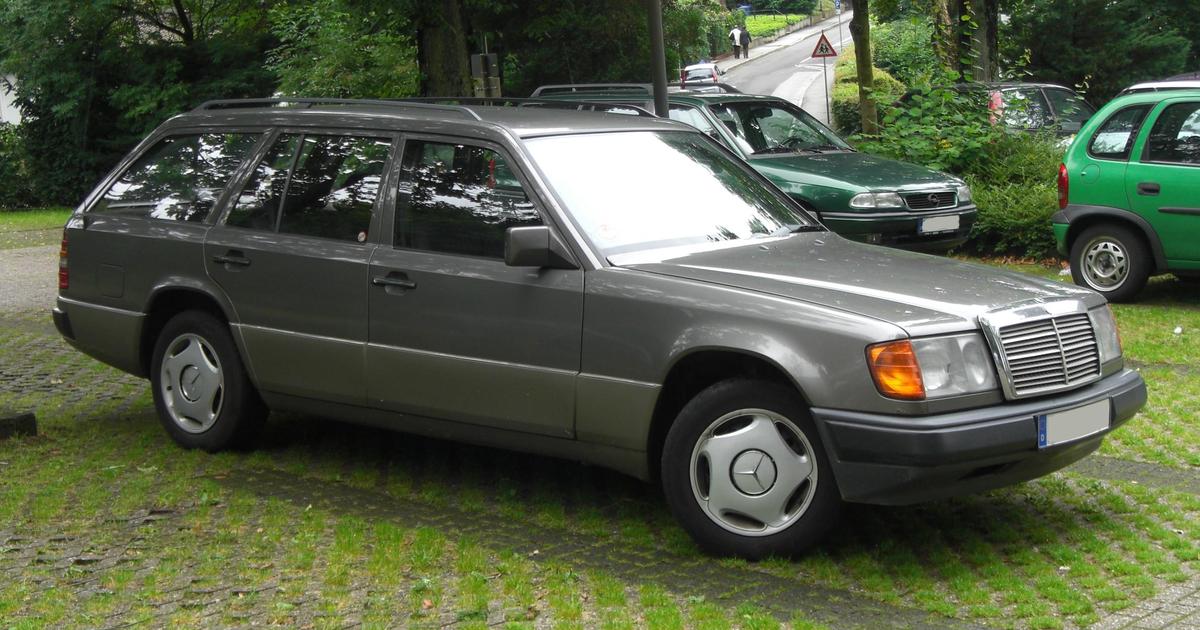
x=1105 y=264
x=753 y=472
x=193 y=385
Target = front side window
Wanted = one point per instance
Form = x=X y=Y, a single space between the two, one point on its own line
x=458 y=199
x=179 y=179
x=642 y=190
x=1175 y=136
x=1115 y=137
x=763 y=128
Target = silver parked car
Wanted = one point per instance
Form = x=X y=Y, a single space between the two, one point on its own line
x=616 y=290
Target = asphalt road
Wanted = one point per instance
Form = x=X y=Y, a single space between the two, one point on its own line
x=791 y=72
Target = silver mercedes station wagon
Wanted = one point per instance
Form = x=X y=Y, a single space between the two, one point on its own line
x=612 y=289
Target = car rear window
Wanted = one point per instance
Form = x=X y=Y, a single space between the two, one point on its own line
x=179 y=179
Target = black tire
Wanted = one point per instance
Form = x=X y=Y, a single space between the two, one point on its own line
x=1111 y=259
x=817 y=505
x=235 y=411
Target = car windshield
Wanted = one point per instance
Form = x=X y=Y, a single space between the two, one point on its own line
x=642 y=190
x=776 y=127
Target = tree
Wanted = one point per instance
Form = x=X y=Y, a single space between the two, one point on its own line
x=1120 y=42
x=860 y=31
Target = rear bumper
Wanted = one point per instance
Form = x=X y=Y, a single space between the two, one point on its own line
x=901 y=228
x=109 y=334
x=894 y=460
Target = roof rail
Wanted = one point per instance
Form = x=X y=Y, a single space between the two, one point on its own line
x=532 y=102
x=239 y=103
x=592 y=87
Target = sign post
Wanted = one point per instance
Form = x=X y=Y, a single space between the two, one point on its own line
x=837 y=5
x=823 y=51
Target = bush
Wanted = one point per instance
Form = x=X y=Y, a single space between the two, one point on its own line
x=15 y=188
x=903 y=49
x=845 y=113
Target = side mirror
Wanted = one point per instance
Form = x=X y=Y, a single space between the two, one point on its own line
x=535 y=246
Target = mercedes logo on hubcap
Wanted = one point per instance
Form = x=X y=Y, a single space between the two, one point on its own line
x=187 y=382
x=753 y=472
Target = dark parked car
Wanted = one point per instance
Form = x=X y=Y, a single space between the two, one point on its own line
x=614 y=289
x=1028 y=106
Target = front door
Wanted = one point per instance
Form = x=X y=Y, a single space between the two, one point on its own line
x=292 y=256
x=455 y=333
x=1163 y=181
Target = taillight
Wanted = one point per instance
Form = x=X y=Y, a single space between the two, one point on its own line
x=1064 y=186
x=716 y=79
x=64 y=275
x=682 y=76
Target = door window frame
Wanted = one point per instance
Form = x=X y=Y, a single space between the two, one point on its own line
x=1142 y=150
x=1136 y=135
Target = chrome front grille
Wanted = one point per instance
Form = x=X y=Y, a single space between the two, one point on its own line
x=930 y=200
x=1051 y=354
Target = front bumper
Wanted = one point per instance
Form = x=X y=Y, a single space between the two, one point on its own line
x=901 y=228
x=895 y=460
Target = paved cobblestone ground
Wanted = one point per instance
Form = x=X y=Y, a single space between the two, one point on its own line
x=104 y=523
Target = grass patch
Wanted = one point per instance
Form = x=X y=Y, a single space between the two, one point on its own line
x=32 y=228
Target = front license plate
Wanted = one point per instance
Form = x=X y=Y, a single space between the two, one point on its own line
x=938 y=224
x=1066 y=426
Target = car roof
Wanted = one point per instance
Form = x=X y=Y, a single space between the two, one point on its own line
x=1177 y=84
x=1153 y=97
x=524 y=122
x=623 y=94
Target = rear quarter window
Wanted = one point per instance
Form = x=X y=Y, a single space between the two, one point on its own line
x=1114 y=139
x=178 y=179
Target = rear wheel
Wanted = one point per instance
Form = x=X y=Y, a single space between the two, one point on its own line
x=744 y=472
x=1111 y=259
x=202 y=393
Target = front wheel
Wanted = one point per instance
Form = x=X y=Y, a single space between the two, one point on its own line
x=744 y=472
x=202 y=393
x=1111 y=259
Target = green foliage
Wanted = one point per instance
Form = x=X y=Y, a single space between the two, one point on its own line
x=844 y=97
x=904 y=49
x=1107 y=44
x=938 y=127
x=327 y=49
x=768 y=23
x=15 y=189
x=94 y=77
x=787 y=6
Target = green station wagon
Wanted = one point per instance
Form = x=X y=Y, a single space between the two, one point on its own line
x=1129 y=193
x=519 y=277
x=863 y=197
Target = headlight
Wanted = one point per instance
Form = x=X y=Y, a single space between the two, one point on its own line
x=964 y=194
x=933 y=367
x=877 y=200
x=1107 y=336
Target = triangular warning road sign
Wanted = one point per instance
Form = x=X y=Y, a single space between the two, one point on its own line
x=824 y=48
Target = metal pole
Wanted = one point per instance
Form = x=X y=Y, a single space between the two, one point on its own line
x=825 y=79
x=658 y=57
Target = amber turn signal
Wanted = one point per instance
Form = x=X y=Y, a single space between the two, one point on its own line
x=895 y=370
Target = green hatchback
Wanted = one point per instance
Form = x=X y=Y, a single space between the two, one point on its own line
x=862 y=197
x=1129 y=194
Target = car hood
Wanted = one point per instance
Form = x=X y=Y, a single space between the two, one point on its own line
x=922 y=294
x=860 y=169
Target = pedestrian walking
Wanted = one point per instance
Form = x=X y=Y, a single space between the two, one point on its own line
x=735 y=38
x=744 y=40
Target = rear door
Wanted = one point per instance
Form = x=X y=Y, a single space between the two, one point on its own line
x=1163 y=178
x=455 y=333
x=292 y=255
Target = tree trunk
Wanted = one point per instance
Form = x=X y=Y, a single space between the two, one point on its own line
x=860 y=30
x=945 y=32
x=985 y=21
x=442 y=50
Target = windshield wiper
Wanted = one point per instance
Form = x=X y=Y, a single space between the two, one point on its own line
x=830 y=147
x=780 y=149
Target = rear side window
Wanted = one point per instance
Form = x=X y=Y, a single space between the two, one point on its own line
x=178 y=179
x=1115 y=137
x=458 y=199
x=1175 y=136
x=314 y=185
x=1025 y=109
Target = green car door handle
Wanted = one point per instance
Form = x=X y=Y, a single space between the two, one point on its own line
x=1148 y=188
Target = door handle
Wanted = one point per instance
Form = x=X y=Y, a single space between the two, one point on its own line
x=1148 y=188
x=232 y=258
x=394 y=279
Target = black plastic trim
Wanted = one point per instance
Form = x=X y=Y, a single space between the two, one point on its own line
x=1075 y=212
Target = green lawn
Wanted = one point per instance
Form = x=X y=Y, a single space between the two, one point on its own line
x=33 y=227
